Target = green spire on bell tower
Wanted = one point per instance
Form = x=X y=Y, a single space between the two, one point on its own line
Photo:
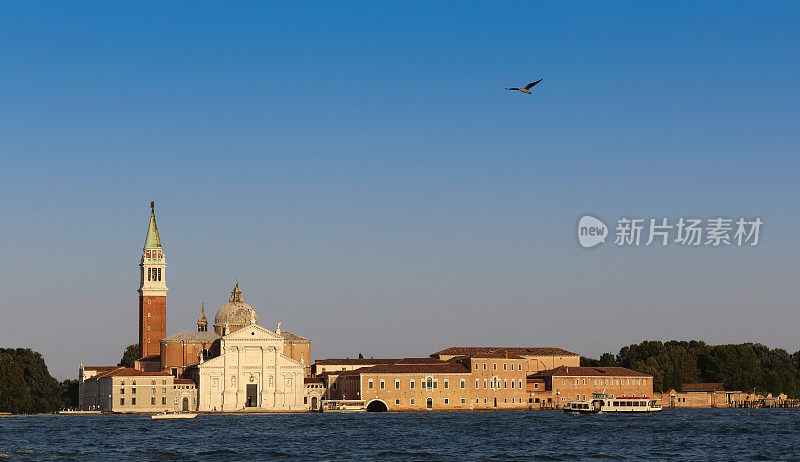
x=152 y=241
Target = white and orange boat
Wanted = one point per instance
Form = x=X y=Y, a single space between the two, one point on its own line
x=602 y=402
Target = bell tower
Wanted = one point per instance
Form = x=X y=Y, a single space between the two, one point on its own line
x=152 y=292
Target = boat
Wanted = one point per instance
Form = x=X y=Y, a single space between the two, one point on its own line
x=602 y=402
x=343 y=405
x=78 y=412
x=174 y=415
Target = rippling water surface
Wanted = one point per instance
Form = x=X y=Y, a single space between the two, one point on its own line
x=705 y=434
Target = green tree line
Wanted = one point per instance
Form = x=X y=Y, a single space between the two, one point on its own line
x=27 y=387
x=747 y=367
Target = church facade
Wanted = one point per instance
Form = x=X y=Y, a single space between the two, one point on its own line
x=239 y=365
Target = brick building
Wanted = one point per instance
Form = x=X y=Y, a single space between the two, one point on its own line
x=536 y=358
x=701 y=395
x=555 y=387
x=124 y=389
x=481 y=381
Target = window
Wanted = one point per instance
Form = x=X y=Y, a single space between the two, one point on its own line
x=519 y=367
x=370 y=384
x=397 y=385
x=148 y=315
x=505 y=383
x=563 y=381
x=477 y=384
x=163 y=390
x=159 y=274
x=413 y=401
x=383 y=385
x=149 y=274
x=494 y=366
x=133 y=390
x=447 y=401
x=484 y=383
x=175 y=374
x=463 y=384
x=446 y=384
x=519 y=384
x=176 y=400
x=133 y=401
x=334 y=386
x=476 y=366
x=477 y=401
x=152 y=400
x=584 y=381
x=512 y=384
x=412 y=387
x=505 y=366
x=485 y=401
x=463 y=401
x=535 y=386
x=397 y=402
x=484 y=366
x=595 y=381
x=148 y=328
x=305 y=399
x=122 y=401
x=122 y=391
x=505 y=400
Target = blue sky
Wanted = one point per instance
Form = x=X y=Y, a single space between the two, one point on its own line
x=362 y=171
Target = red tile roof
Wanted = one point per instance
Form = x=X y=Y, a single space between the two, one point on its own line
x=313 y=380
x=702 y=387
x=150 y=358
x=519 y=351
x=128 y=372
x=569 y=371
x=100 y=368
x=440 y=368
x=491 y=355
x=374 y=361
x=184 y=382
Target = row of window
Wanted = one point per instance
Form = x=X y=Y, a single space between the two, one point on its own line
x=133 y=390
x=607 y=381
x=152 y=382
x=153 y=401
x=494 y=366
x=413 y=401
x=432 y=384
x=153 y=274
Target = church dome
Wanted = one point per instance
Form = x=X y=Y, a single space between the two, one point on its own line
x=236 y=313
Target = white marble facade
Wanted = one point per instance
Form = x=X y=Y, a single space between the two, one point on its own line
x=251 y=373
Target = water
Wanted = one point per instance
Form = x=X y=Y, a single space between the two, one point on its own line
x=703 y=434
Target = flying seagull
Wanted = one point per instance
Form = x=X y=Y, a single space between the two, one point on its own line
x=527 y=88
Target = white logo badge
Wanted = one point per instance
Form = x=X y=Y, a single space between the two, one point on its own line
x=591 y=231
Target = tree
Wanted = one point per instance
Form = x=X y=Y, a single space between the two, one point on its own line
x=25 y=384
x=360 y=356
x=130 y=355
x=607 y=360
x=69 y=391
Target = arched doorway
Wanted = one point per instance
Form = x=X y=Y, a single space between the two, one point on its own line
x=375 y=405
x=313 y=403
x=429 y=404
x=185 y=404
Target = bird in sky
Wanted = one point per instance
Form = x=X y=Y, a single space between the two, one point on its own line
x=527 y=88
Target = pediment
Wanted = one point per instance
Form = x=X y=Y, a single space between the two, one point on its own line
x=253 y=332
